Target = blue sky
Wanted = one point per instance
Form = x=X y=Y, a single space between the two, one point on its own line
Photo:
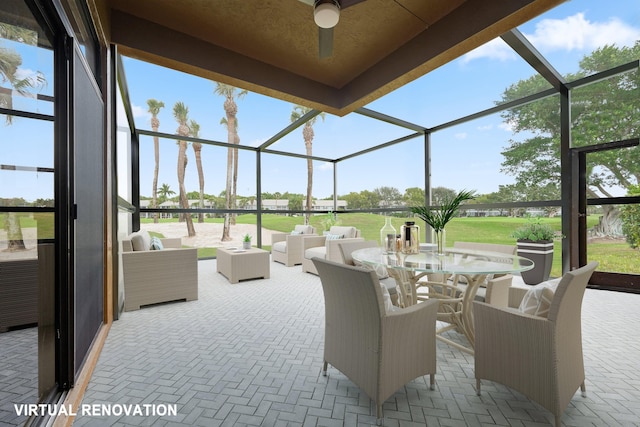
x=467 y=156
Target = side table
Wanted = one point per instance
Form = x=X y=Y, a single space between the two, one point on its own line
x=243 y=264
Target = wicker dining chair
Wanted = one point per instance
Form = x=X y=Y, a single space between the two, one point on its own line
x=378 y=351
x=541 y=357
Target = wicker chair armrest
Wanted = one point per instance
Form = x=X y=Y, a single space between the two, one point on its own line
x=333 y=250
x=278 y=237
x=171 y=242
x=294 y=242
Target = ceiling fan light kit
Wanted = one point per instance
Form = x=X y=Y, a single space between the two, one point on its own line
x=326 y=13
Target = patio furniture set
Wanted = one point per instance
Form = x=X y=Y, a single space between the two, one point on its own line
x=377 y=303
x=539 y=355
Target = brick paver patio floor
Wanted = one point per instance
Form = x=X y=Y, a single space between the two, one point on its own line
x=250 y=354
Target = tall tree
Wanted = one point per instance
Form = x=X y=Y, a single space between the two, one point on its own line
x=194 y=128
x=413 y=196
x=230 y=94
x=165 y=191
x=601 y=112
x=10 y=62
x=307 y=134
x=181 y=114
x=390 y=196
x=234 y=184
x=154 y=109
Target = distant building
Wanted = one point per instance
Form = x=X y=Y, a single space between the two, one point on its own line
x=327 y=205
x=269 y=204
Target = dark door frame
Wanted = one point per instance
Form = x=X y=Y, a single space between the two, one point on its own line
x=602 y=280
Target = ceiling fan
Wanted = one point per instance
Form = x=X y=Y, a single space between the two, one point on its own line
x=326 y=14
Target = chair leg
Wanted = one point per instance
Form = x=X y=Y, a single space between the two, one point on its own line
x=583 y=389
x=432 y=381
x=558 y=422
x=478 y=386
x=324 y=369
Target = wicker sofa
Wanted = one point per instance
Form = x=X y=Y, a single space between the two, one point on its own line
x=18 y=293
x=156 y=276
x=326 y=247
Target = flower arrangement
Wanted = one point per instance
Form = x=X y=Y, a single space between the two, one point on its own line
x=438 y=217
x=534 y=231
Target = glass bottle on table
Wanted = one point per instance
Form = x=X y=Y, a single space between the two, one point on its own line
x=388 y=237
x=410 y=236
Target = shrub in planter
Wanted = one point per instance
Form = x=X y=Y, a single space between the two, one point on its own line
x=535 y=241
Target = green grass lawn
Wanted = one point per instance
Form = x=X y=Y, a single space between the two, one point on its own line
x=613 y=256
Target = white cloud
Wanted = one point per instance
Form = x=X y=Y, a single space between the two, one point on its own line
x=140 y=112
x=506 y=126
x=485 y=128
x=26 y=73
x=326 y=166
x=495 y=49
x=569 y=34
x=461 y=135
x=577 y=33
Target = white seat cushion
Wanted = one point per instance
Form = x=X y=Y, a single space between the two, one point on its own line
x=279 y=246
x=318 y=251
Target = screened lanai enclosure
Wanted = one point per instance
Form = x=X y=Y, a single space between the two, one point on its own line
x=536 y=139
x=209 y=121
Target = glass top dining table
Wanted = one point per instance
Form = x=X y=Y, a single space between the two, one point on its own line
x=473 y=265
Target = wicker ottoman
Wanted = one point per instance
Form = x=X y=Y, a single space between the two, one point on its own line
x=238 y=265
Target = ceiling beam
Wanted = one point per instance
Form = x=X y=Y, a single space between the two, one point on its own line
x=525 y=49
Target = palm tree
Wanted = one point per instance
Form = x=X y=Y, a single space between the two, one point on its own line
x=165 y=191
x=181 y=113
x=154 y=109
x=234 y=193
x=231 y=110
x=307 y=134
x=197 y=151
x=10 y=62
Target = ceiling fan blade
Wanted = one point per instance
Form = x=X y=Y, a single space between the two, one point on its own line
x=325 y=42
x=348 y=3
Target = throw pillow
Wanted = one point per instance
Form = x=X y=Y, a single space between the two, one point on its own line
x=381 y=270
x=156 y=244
x=386 y=297
x=334 y=236
x=140 y=241
x=537 y=300
x=295 y=233
x=347 y=232
x=304 y=229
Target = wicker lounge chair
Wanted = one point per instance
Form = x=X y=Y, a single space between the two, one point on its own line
x=326 y=247
x=286 y=248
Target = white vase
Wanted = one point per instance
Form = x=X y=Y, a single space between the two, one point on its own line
x=246 y=245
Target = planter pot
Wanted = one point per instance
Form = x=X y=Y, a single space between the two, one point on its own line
x=541 y=253
x=246 y=245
